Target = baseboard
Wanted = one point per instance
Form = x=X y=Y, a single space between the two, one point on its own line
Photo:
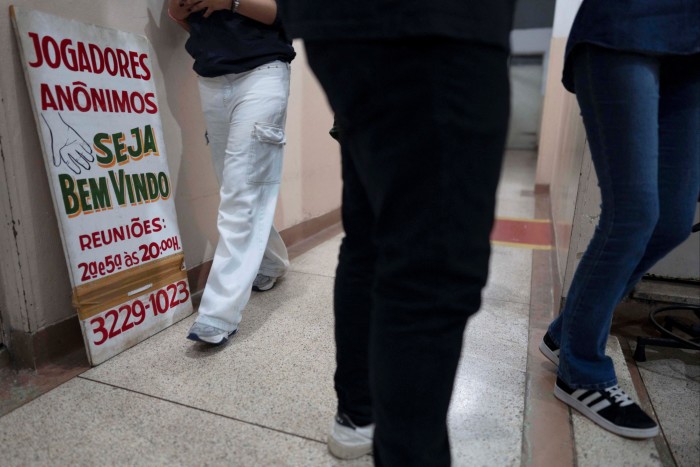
x=298 y=238
x=197 y=276
x=33 y=350
x=541 y=189
x=301 y=232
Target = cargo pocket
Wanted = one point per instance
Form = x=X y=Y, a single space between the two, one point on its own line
x=265 y=158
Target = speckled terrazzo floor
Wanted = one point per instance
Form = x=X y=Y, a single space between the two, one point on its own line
x=266 y=398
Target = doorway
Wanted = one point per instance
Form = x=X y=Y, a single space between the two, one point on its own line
x=526 y=74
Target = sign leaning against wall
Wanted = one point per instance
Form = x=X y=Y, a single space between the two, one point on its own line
x=96 y=111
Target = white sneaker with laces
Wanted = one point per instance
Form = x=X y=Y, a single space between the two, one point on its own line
x=263 y=283
x=349 y=441
x=208 y=334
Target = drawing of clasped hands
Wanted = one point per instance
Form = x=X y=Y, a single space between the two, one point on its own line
x=67 y=146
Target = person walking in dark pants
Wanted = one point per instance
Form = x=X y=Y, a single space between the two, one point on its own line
x=421 y=98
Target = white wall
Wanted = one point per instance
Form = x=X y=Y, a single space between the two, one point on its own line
x=564 y=14
x=34 y=288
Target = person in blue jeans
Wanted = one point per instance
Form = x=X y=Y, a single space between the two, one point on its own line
x=635 y=70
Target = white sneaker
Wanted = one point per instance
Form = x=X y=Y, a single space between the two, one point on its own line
x=209 y=334
x=348 y=441
x=263 y=283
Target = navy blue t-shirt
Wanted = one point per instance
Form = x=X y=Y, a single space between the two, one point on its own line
x=227 y=42
x=665 y=27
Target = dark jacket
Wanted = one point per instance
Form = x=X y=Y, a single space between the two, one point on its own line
x=646 y=26
x=486 y=21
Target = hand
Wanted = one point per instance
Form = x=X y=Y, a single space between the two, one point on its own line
x=67 y=146
x=209 y=6
x=177 y=10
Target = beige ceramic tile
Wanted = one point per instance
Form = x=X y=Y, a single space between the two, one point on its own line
x=677 y=404
x=510 y=272
x=276 y=372
x=88 y=423
x=672 y=380
x=518 y=175
x=486 y=414
x=672 y=363
x=498 y=334
x=515 y=195
x=321 y=260
x=518 y=208
x=596 y=446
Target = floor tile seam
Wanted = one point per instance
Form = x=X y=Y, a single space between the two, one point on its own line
x=38 y=395
x=199 y=409
x=3 y=415
x=572 y=430
x=310 y=274
x=487 y=298
x=533 y=375
x=661 y=443
x=525 y=438
x=534 y=429
x=675 y=378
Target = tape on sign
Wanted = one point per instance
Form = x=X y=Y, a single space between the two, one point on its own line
x=96 y=296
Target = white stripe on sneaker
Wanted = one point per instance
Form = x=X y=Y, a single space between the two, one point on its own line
x=600 y=405
x=592 y=398
x=614 y=403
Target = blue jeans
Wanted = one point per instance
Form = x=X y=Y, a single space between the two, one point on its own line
x=422 y=128
x=642 y=119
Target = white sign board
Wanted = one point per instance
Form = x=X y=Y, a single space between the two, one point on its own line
x=94 y=100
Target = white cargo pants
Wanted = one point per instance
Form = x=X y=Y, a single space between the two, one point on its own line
x=245 y=115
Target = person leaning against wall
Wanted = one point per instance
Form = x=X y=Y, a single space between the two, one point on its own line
x=242 y=57
x=635 y=70
x=420 y=94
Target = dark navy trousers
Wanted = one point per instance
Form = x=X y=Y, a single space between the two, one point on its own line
x=423 y=125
